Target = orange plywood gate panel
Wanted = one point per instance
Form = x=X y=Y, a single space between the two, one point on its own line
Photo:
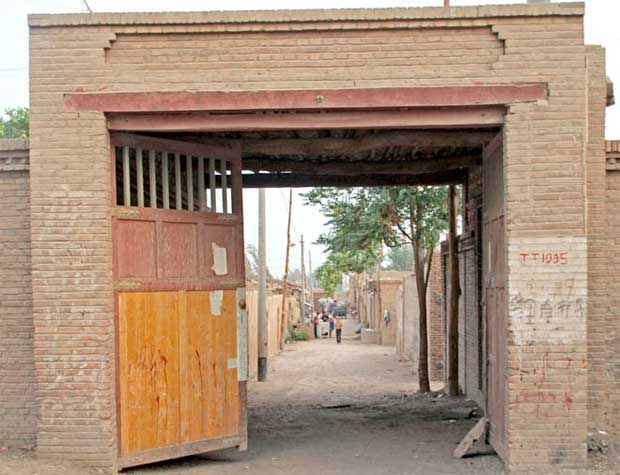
x=179 y=277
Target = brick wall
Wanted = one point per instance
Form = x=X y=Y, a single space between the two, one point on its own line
x=408 y=320
x=436 y=320
x=544 y=155
x=612 y=329
x=598 y=310
x=17 y=404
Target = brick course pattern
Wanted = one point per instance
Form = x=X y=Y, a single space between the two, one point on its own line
x=17 y=403
x=612 y=330
x=546 y=149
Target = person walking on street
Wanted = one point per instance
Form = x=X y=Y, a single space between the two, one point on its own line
x=332 y=325
x=315 y=324
x=339 y=330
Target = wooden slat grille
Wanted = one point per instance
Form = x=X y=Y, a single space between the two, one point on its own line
x=190 y=186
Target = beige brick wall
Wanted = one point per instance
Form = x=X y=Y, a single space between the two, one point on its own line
x=436 y=321
x=18 y=416
x=612 y=383
x=598 y=310
x=545 y=152
x=390 y=296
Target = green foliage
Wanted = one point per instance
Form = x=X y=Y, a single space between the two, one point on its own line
x=16 y=124
x=329 y=274
x=361 y=220
x=399 y=258
x=299 y=334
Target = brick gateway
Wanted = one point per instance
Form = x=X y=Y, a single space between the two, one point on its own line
x=520 y=71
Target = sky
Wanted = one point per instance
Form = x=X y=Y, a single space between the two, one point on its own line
x=601 y=28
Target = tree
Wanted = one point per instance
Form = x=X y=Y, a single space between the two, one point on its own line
x=330 y=276
x=399 y=258
x=16 y=124
x=364 y=219
x=295 y=276
x=251 y=263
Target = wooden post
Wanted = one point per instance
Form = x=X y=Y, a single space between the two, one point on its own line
x=263 y=324
x=285 y=278
x=303 y=283
x=140 y=177
x=379 y=312
x=453 y=304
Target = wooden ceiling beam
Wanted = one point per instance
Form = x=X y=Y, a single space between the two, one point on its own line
x=446 y=118
x=295 y=180
x=354 y=168
x=330 y=146
x=322 y=99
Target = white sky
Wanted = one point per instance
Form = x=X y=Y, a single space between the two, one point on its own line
x=602 y=23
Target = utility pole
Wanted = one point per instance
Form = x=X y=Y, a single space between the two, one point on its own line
x=453 y=308
x=303 y=282
x=263 y=335
x=311 y=283
x=379 y=313
x=285 y=279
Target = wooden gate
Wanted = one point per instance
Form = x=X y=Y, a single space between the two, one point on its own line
x=178 y=277
x=493 y=274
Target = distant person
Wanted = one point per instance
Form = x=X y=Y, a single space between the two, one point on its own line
x=387 y=318
x=315 y=324
x=339 y=330
x=332 y=325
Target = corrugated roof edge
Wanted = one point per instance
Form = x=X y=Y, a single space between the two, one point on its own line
x=301 y=16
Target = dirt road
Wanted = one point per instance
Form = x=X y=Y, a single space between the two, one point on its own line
x=330 y=409
x=344 y=409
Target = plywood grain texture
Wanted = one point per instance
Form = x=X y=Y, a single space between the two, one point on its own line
x=149 y=369
x=175 y=382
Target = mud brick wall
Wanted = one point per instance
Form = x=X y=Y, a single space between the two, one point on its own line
x=545 y=182
x=610 y=374
x=436 y=321
x=18 y=414
x=391 y=283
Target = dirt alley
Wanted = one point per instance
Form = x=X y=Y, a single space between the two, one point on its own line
x=344 y=409
x=329 y=409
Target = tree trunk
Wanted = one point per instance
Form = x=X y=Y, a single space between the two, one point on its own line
x=453 y=309
x=418 y=260
x=378 y=313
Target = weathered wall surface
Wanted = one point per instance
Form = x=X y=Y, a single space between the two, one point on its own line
x=274 y=310
x=390 y=294
x=409 y=320
x=544 y=155
x=610 y=376
x=408 y=315
x=598 y=312
x=436 y=320
x=18 y=414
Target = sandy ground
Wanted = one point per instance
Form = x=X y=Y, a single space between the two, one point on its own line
x=330 y=409
x=344 y=409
